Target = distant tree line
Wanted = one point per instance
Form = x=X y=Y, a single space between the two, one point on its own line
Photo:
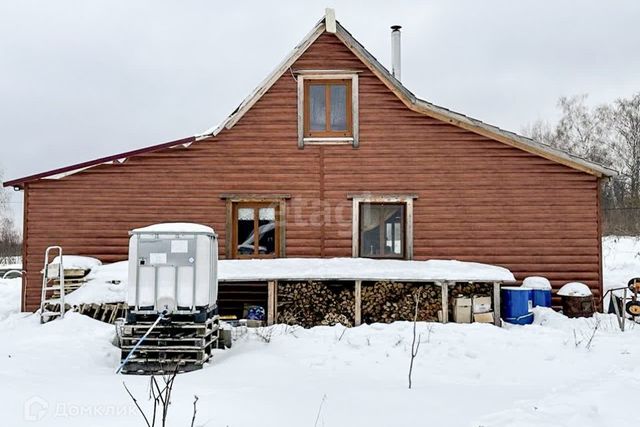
x=10 y=236
x=608 y=134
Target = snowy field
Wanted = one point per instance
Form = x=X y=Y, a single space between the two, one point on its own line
x=557 y=372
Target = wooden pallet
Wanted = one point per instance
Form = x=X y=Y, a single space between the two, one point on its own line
x=158 y=368
x=68 y=288
x=107 y=313
x=165 y=341
x=74 y=278
x=172 y=329
x=170 y=346
x=169 y=354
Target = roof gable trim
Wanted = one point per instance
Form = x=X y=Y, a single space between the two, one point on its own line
x=411 y=101
x=267 y=83
x=330 y=25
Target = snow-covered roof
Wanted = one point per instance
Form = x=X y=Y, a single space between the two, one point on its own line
x=361 y=269
x=174 y=227
x=108 y=283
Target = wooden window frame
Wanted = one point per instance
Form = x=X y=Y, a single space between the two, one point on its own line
x=382 y=242
x=256 y=206
x=406 y=199
x=327 y=133
x=307 y=77
x=278 y=201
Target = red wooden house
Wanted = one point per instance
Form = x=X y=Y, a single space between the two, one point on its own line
x=332 y=156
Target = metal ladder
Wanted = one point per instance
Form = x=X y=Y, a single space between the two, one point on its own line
x=50 y=273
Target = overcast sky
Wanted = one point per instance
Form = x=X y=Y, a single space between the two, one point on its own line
x=85 y=79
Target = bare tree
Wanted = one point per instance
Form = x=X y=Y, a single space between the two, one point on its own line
x=540 y=131
x=10 y=240
x=160 y=395
x=582 y=130
x=625 y=117
x=608 y=134
x=415 y=344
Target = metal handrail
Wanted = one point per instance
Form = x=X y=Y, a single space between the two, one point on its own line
x=20 y=272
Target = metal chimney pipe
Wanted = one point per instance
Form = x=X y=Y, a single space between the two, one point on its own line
x=395 y=51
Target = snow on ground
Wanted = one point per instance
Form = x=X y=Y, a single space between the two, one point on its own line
x=546 y=374
x=105 y=284
x=10 y=290
x=556 y=372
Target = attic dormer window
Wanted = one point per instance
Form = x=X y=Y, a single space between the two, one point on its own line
x=327 y=108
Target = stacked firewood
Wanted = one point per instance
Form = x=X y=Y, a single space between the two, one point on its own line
x=386 y=302
x=312 y=303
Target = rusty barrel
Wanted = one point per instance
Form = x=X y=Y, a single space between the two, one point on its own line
x=578 y=306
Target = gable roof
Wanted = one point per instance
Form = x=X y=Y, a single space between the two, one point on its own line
x=330 y=25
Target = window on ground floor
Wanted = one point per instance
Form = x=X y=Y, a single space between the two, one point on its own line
x=382 y=226
x=256 y=230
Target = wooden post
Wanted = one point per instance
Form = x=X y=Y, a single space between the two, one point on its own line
x=271 y=291
x=358 y=311
x=275 y=301
x=444 y=289
x=496 y=304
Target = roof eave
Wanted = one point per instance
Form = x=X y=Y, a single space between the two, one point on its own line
x=466 y=122
x=18 y=183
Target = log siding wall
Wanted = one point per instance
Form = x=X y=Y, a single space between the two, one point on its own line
x=478 y=199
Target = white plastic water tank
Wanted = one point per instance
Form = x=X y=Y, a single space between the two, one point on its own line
x=173 y=267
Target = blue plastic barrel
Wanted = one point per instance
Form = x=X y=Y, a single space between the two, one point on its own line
x=516 y=304
x=540 y=290
x=541 y=297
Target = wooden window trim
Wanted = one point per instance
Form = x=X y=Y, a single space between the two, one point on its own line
x=407 y=200
x=303 y=76
x=231 y=237
x=328 y=133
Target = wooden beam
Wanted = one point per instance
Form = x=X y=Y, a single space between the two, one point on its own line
x=228 y=230
x=358 y=298
x=253 y=197
x=275 y=301
x=496 y=304
x=444 y=289
x=381 y=197
x=271 y=302
x=355 y=112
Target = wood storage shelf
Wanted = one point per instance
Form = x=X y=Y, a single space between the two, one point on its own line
x=386 y=302
x=316 y=303
x=469 y=290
